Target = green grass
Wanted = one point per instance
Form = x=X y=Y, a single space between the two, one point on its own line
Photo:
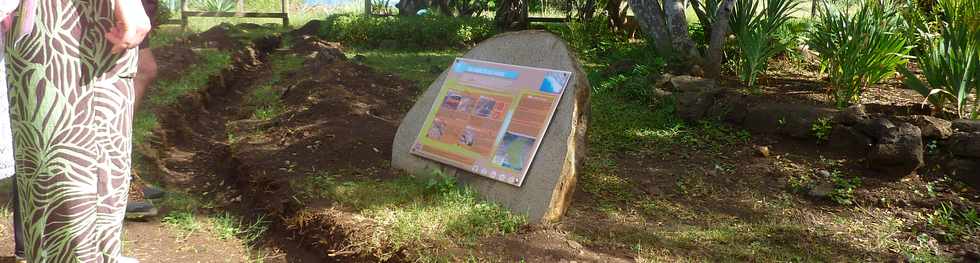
x=189 y=214
x=412 y=212
x=411 y=32
x=954 y=222
x=185 y=222
x=422 y=67
x=167 y=34
x=227 y=226
x=183 y=202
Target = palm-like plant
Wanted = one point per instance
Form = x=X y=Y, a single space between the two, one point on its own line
x=755 y=34
x=860 y=49
x=214 y=5
x=950 y=60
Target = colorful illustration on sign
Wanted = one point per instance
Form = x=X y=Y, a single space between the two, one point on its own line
x=554 y=82
x=485 y=107
x=513 y=151
x=490 y=118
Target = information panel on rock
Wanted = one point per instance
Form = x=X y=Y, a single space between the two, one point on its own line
x=489 y=118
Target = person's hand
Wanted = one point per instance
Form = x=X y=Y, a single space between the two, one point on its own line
x=7 y=7
x=131 y=27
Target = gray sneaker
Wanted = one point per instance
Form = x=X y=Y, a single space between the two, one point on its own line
x=150 y=192
x=140 y=209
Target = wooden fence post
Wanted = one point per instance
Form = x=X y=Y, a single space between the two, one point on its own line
x=285 y=13
x=183 y=15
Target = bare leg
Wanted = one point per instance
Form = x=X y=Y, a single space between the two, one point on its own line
x=146 y=73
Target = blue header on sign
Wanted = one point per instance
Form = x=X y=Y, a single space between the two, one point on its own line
x=500 y=73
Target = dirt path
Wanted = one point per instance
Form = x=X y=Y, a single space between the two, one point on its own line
x=154 y=242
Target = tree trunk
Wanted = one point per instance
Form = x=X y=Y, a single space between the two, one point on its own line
x=614 y=9
x=680 y=37
x=587 y=10
x=649 y=15
x=443 y=6
x=241 y=6
x=410 y=7
x=512 y=15
x=719 y=33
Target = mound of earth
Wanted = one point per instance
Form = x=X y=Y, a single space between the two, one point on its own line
x=338 y=117
x=173 y=60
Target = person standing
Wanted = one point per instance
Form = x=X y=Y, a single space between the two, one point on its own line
x=7 y=7
x=146 y=71
x=70 y=67
x=139 y=206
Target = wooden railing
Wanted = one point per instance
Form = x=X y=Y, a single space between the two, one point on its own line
x=284 y=15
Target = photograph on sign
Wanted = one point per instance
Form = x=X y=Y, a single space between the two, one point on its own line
x=489 y=118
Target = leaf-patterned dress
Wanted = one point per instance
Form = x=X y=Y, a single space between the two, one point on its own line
x=71 y=114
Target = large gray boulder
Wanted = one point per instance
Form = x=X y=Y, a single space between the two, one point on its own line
x=550 y=182
x=898 y=152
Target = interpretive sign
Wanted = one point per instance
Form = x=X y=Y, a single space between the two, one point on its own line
x=490 y=117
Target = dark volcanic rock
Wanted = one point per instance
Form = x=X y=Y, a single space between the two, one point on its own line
x=966 y=125
x=695 y=96
x=965 y=144
x=965 y=169
x=931 y=127
x=849 y=139
x=898 y=151
x=789 y=119
x=852 y=115
x=875 y=128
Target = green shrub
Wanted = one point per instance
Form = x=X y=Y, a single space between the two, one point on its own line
x=793 y=34
x=601 y=46
x=592 y=38
x=164 y=13
x=413 y=32
x=950 y=60
x=844 y=187
x=263 y=5
x=755 y=34
x=859 y=49
x=822 y=128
